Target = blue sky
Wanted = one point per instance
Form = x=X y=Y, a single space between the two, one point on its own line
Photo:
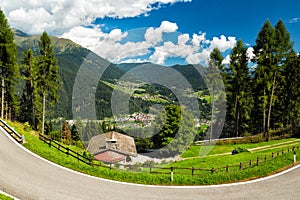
x=160 y=31
x=242 y=19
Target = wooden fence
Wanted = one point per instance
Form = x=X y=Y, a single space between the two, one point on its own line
x=169 y=170
x=11 y=132
x=65 y=150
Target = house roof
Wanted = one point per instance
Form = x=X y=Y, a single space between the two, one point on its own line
x=112 y=140
x=109 y=156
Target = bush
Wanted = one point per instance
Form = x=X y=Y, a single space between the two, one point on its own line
x=27 y=127
x=241 y=149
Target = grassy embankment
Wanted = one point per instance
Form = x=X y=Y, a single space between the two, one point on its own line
x=205 y=178
x=4 y=197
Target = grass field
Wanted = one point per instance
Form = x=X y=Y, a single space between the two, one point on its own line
x=263 y=169
x=194 y=151
x=4 y=197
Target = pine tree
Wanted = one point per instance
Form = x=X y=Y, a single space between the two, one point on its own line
x=215 y=83
x=9 y=69
x=272 y=48
x=65 y=132
x=28 y=71
x=266 y=72
x=48 y=78
x=239 y=94
x=291 y=96
x=285 y=56
x=74 y=133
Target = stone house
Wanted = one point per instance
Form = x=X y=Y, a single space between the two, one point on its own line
x=112 y=147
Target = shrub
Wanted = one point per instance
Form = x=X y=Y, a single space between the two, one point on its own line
x=241 y=149
x=27 y=127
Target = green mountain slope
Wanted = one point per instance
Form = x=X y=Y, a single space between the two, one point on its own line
x=71 y=56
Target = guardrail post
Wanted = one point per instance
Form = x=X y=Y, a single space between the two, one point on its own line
x=193 y=171
x=172 y=174
x=295 y=157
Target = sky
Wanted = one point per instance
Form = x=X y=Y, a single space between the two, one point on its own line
x=165 y=32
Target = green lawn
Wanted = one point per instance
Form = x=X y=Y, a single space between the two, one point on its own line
x=194 y=151
x=3 y=197
x=42 y=149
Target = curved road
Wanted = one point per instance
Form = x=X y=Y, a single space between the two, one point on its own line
x=26 y=176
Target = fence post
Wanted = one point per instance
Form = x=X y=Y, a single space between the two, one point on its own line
x=49 y=143
x=250 y=163
x=150 y=169
x=295 y=157
x=257 y=161
x=172 y=174
x=193 y=171
x=282 y=151
x=272 y=155
x=241 y=166
x=265 y=158
x=212 y=170
x=68 y=151
x=227 y=167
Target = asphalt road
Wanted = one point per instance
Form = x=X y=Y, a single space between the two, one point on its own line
x=26 y=176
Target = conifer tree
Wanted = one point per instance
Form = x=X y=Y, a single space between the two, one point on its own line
x=29 y=72
x=48 y=78
x=9 y=69
x=239 y=94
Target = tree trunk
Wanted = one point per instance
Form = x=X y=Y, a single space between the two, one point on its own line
x=2 y=98
x=6 y=111
x=271 y=102
x=44 y=109
x=212 y=113
x=236 y=116
x=264 y=112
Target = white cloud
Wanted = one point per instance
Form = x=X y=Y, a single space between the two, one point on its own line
x=250 y=53
x=294 y=20
x=154 y=35
x=59 y=16
x=223 y=43
x=168 y=27
x=114 y=47
x=226 y=60
x=183 y=39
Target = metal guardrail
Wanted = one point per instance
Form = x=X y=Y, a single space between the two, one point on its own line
x=18 y=137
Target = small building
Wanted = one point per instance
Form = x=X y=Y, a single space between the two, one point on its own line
x=112 y=147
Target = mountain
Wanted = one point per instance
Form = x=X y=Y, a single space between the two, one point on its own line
x=71 y=56
x=189 y=72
